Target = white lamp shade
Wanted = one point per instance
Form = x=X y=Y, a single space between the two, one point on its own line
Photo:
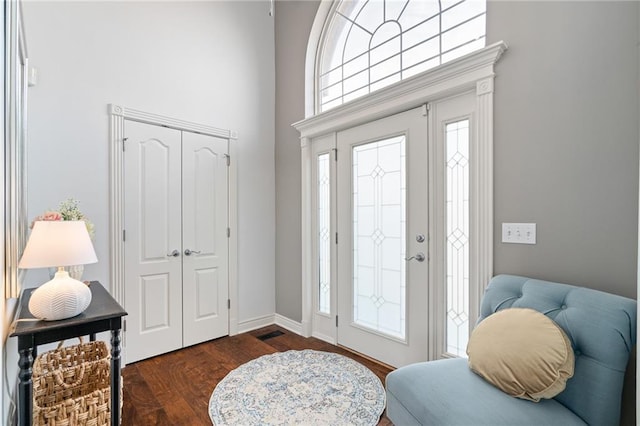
x=58 y=243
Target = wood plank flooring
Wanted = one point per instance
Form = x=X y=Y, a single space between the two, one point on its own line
x=174 y=389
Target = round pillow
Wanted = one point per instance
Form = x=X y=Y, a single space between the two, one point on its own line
x=522 y=352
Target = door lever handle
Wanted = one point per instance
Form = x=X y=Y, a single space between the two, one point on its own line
x=189 y=252
x=174 y=253
x=419 y=257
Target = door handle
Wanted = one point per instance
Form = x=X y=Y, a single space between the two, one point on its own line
x=189 y=252
x=419 y=257
x=174 y=253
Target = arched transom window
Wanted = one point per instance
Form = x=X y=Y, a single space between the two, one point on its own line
x=370 y=44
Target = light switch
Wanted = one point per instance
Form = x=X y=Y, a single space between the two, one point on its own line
x=519 y=233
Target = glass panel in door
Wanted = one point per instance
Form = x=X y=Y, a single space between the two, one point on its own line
x=379 y=236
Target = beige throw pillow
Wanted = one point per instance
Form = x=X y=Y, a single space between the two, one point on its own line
x=522 y=352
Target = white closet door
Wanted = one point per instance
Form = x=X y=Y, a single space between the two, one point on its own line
x=205 y=221
x=153 y=276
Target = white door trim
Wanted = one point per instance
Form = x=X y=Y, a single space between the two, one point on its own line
x=117 y=115
x=474 y=71
x=447 y=79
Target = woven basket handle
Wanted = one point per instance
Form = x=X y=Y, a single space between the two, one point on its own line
x=58 y=376
x=61 y=342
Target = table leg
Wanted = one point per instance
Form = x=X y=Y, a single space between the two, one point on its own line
x=115 y=377
x=25 y=387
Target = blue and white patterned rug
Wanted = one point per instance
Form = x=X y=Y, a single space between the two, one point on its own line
x=298 y=387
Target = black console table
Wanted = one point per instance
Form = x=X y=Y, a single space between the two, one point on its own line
x=103 y=314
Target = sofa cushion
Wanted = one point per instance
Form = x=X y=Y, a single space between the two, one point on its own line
x=523 y=353
x=447 y=392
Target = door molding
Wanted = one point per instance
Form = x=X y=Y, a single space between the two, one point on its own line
x=472 y=72
x=117 y=116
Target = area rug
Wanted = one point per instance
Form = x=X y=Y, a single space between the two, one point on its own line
x=298 y=387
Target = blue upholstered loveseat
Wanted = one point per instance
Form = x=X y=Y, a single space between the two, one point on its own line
x=602 y=329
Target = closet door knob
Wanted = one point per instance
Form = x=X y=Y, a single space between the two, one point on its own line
x=188 y=252
x=174 y=253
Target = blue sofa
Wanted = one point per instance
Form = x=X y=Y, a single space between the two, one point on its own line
x=602 y=329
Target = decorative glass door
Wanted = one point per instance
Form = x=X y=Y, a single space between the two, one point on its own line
x=378 y=205
x=382 y=219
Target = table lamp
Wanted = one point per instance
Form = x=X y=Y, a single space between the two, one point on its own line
x=58 y=244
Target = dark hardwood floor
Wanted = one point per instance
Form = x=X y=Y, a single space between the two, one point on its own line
x=174 y=389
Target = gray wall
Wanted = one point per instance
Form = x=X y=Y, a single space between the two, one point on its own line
x=566 y=141
x=292 y=27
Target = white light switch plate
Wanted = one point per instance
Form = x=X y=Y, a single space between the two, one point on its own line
x=519 y=233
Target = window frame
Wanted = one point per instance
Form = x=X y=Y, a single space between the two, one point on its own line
x=324 y=322
x=329 y=12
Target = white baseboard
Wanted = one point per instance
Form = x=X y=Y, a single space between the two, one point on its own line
x=289 y=324
x=255 y=323
x=266 y=320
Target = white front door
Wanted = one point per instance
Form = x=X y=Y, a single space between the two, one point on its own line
x=204 y=240
x=176 y=245
x=382 y=221
x=153 y=224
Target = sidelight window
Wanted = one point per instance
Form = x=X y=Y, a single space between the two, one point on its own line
x=324 y=233
x=457 y=235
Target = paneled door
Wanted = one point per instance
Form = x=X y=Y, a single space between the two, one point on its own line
x=382 y=246
x=176 y=246
x=204 y=238
x=153 y=234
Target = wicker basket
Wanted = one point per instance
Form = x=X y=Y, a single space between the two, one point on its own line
x=72 y=386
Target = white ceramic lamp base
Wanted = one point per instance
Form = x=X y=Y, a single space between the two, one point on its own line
x=62 y=297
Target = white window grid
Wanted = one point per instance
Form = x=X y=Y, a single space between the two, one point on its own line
x=428 y=33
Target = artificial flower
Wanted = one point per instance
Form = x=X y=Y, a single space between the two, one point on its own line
x=67 y=210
